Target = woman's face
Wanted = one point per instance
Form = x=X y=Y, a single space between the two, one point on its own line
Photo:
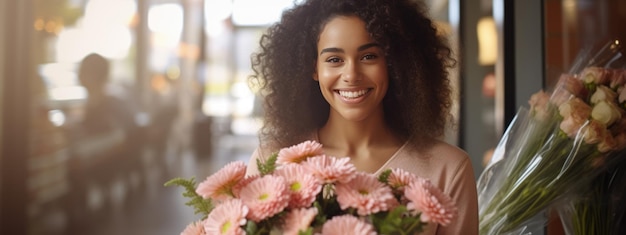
x=351 y=69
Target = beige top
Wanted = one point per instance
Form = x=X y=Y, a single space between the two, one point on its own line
x=449 y=169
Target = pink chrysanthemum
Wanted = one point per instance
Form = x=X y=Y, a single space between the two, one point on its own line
x=303 y=187
x=365 y=193
x=242 y=183
x=299 y=152
x=227 y=218
x=195 y=228
x=347 y=224
x=265 y=197
x=299 y=220
x=435 y=205
x=399 y=178
x=219 y=186
x=329 y=169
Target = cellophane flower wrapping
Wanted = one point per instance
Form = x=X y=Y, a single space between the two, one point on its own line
x=598 y=208
x=300 y=190
x=556 y=146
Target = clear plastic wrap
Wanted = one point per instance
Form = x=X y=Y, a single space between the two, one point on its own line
x=555 y=147
x=598 y=208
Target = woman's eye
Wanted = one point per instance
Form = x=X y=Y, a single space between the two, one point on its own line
x=333 y=60
x=370 y=57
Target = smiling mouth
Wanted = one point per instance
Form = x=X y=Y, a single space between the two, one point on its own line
x=352 y=94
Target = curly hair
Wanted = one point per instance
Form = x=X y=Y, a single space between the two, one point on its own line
x=418 y=100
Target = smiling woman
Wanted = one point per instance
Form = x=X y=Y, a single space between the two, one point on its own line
x=351 y=71
x=368 y=80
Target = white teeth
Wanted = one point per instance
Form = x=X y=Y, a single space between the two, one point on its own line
x=352 y=94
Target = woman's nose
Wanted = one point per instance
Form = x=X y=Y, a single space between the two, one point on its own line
x=351 y=73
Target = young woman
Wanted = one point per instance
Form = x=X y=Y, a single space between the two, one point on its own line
x=368 y=80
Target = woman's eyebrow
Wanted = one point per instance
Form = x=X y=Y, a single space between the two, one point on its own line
x=361 y=48
x=331 y=49
x=369 y=45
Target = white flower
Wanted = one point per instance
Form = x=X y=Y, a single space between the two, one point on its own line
x=606 y=113
x=595 y=75
x=603 y=93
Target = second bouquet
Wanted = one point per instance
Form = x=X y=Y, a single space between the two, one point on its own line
x=562 y=141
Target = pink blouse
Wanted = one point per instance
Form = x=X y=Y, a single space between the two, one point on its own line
x=450 y=169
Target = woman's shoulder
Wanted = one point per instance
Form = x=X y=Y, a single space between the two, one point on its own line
x=437 y=149
x=439 y=161
x=442 y=148
x=447 y=166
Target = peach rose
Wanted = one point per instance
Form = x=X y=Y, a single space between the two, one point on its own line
x=595 y=132
x=606 y=113
x=607 y=143
x=571 y=124
x=603 y=93
x=576 y=107
x=595 y=75
x=567 y=86
x=539 y=105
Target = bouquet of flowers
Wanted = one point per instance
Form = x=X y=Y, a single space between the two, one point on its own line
x=555 y=147
x=300 y=190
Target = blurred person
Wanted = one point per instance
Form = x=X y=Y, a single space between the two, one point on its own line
x=103 y=111
x=105 y=143
x=368 y=80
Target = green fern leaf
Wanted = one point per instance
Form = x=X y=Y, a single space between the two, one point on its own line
x=268 y=166
x=201 y=206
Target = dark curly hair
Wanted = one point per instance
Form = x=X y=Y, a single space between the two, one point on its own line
x=417 y=102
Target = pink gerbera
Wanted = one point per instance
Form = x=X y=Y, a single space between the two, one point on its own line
x=227 y=218
x=399 y=178
x=195 y=228
x=299 y=220
x=265 y=197
x=435 y=205
x=329 y=169
x=347 y=224
x=304 y=187
x=219 y=186
x=366 y=194
x=242 y=183
x=299 y=152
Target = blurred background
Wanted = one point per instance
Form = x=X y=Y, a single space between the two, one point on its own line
x=103 y=101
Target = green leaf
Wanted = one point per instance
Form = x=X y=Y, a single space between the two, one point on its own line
x=309 y=231
x=384 y=176
x=320 y=218
x=201 y=206
x=251 y=227
x=397 y=221
x=268 y=166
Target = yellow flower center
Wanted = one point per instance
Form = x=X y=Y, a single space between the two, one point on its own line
x=225 y=227
x=296 y=186
x=264 y=196
x=227 y=189
x=363 y=192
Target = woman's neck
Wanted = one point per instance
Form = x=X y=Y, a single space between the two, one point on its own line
x=369 y=143
x=352 y=137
